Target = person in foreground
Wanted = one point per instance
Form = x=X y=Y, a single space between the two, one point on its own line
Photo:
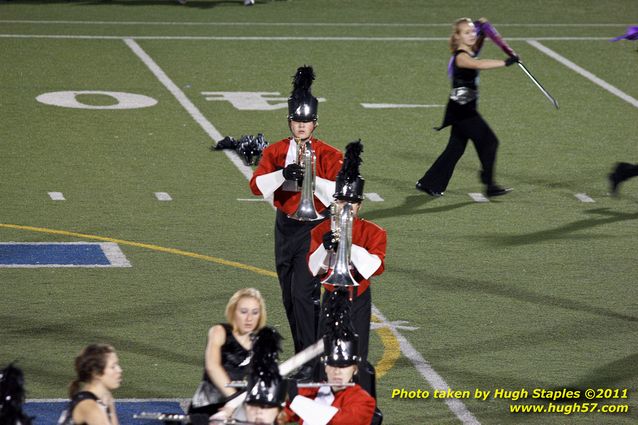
x=288 y=170
x=461 y=113
x=98 y=373
x=228 y=351
x=367 y=251
x=266 y=389
x=339 y=401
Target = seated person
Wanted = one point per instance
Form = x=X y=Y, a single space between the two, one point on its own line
x=266 y=390
x=228 y=351
x=351 y=404
x=98 y=373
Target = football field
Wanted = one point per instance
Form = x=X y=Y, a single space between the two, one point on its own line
x=119 y=224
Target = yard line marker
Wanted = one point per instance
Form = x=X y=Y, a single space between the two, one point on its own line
x=582 y=197
x=373 y=197
x=431 y=376
x=602 y=83
x=273 y=38
x=163 y=196
x=291 y=24
x=478 y=197
x=456 y=406
x=57 y=196
x=396 y=106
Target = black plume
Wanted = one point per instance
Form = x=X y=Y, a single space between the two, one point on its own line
x=337 y=315
x=302 y=81
x=265 y=353
x=12 y=396
x=351 y=161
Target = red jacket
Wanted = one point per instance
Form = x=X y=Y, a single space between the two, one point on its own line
x=273 y=160
x=356 y=406
x=366 y=235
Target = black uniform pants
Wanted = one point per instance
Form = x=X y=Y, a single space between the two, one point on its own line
x=485 y=142
x=300 y=291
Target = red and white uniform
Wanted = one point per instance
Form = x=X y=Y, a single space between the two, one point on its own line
x=356 y=406
x=367 y=255
x=299 y=289
x=268 y=179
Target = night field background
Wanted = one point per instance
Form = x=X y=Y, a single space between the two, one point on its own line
x=536 y=289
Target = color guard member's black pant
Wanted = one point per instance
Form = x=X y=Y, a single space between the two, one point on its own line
x=485 y=142
x=300 y=291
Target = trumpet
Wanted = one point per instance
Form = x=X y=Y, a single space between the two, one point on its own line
x=341 y=226
x=306 y=210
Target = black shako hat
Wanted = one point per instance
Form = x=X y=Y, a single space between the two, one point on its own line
x=349 y=184
x=340 y=341
x=266 y=387
x=12 y=396
x=302 y=105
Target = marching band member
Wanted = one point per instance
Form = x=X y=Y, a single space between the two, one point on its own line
x=266 y=389
x=462 y=114
x=339 y=401
x=228 y=350
x=98 y=374
x=367 y=253
x=278 y=175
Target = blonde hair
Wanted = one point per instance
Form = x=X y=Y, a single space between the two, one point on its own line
x=456 y=30
x=246 y=293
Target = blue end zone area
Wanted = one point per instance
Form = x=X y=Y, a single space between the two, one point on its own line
x=70 y=254
x=48 y=412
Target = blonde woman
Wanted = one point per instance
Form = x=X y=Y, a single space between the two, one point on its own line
x=98 y=373
x=462 y=114
x=228 y=350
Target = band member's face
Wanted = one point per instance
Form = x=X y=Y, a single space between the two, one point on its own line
x=355 y=207
x=302 y=130
x=340 y=375
x=247 y=315
x=261 y=415
x=111 y=378
x=467 y=34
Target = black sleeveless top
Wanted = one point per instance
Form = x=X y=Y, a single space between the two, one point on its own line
x=464 y=77
x=235 y=357
x=461 y=77
x=67 y=416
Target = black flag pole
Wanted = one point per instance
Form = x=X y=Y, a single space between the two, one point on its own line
x=539 y=85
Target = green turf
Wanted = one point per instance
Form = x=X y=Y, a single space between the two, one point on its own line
x=533 y=290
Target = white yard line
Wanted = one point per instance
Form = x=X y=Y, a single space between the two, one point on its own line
x=163 y=196
x=591 y=77
x=114 y=254
x=431 y=376
x=583 y=197
x=456 y=406
x=261 y=38
x=478 y=197
x=192 y=110
x=57 y=196
x=293 y=24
